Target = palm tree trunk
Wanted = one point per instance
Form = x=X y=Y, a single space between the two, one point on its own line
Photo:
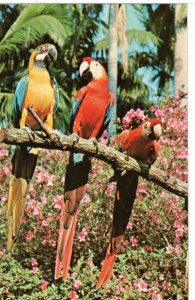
x=112 y=62
x=180 y=77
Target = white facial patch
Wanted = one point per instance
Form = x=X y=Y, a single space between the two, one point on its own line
x=84 y=66
x=157 y=130
x=146 y=130
x=96 y=70
x=41 y=56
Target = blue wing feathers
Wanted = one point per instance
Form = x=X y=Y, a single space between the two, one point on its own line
x=19 y=99
x=57 y=96
x=75 y=108
x=106 y=122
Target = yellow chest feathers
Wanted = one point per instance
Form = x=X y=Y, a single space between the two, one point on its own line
x=40 y=94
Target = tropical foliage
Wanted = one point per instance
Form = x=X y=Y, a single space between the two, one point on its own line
x=25 y=26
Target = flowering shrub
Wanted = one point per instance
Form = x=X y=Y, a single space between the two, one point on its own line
x=152 y=257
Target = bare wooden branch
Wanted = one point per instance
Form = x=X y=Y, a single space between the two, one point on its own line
x=119 y=161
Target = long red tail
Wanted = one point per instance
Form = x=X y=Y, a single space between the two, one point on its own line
x=68 y=250
x=68 y=217
x=107 y=268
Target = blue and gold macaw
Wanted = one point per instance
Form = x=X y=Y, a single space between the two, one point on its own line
x=40 y=91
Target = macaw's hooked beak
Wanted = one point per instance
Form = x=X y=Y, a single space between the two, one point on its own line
x=46 y=53
x=85 y=72
x=52 y=54
x=156 y=132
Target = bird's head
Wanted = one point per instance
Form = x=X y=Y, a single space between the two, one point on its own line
x=152 y=129
x=43 y=55
x=91 y=69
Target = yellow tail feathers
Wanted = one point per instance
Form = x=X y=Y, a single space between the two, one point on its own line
x=15 y=209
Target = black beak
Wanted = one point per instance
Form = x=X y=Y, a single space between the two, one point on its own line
x=152 y=135
x=52 y=54
x=86 y=76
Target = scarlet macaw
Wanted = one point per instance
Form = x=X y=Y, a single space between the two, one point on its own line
x=142 y=144
x=90 y=116
x=40 y=91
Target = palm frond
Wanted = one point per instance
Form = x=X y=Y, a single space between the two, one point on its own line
x=143 y=37
x=34 y=21
x=6 y=100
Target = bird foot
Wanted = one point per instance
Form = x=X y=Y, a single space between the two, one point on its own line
x=75 y=138
x=30 y=133
x=58 y=136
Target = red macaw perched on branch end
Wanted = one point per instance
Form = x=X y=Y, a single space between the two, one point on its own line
x=91 y=114
x=142 y=144
x=40 y=91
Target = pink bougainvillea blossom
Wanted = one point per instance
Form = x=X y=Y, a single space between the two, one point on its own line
x=57 y=202
x=33 y=262
x=77 y=284
x=170 y=249
x=73 y=295
x=142 y=286
x=44 y=285
x=134 y=241
x=82 y=234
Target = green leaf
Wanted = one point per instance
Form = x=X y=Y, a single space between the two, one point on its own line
x=35 y=21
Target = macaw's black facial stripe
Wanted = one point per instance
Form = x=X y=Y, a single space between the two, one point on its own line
x=152 y=135
x=86 y=77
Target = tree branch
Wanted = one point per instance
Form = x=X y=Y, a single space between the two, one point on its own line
x=119 y=161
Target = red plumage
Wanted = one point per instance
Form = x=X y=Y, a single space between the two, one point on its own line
x=142 y=144
x=90 y=116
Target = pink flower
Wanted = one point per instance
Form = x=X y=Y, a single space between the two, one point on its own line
x=161 y=277
x=86 y=199
x=73 y=296
x=165 y=285
x=6 y=292
x=178 y=224
x=157 y=297
x=142 y=188
x=142 y=286
x=77 y=284
x=82 y=234
x=178 y=249
x=170 y=249
x=3 y=153
x=89 y=261
x=35 y=270
x=134 y=241
x=147 y=248
x=28 y=236
x=44 y=285
x=119 y=290
x=58 y=201
x=178 y=273
x=37 y=211
x=52 y=243
x=152 y=108
x=179 y=232
x=126 y=243
x=33 y=262
x=45 y=222
x=74 y=275
x=152 y=291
